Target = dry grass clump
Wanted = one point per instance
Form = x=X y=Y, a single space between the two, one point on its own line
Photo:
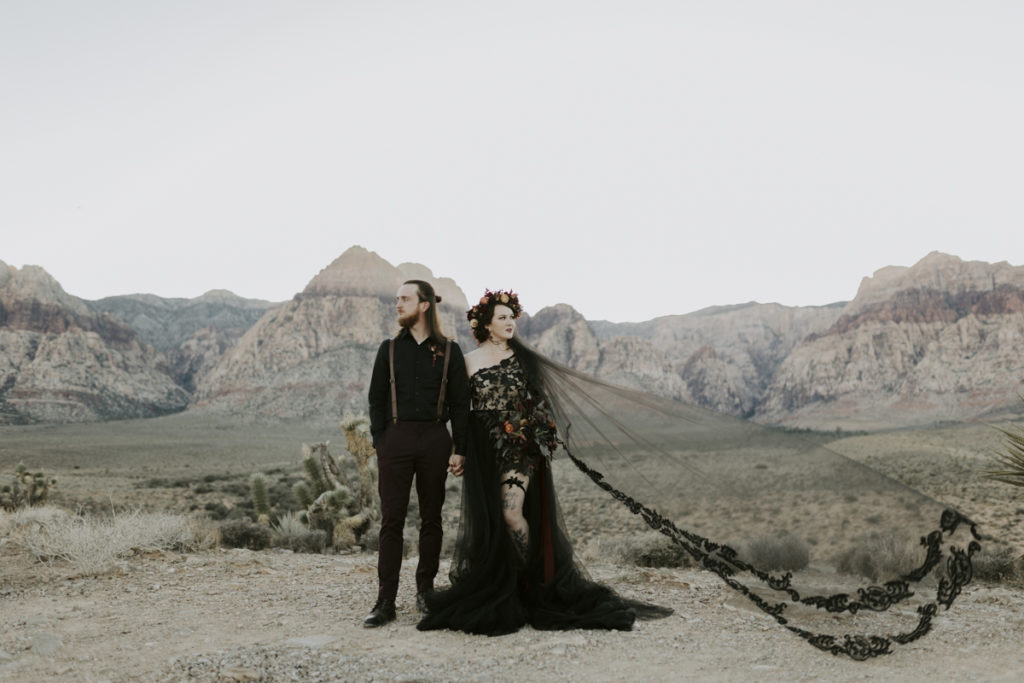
x=90 y=544
x=291 y=533
x=783 y=552
x=649 y=549
x=881 y=557
x=243 y=533
x=288 y=532
x=999 y=566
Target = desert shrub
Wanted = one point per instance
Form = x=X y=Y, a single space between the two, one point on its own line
x=881 y=557
x=90 y=544
x=238 y=489
x=649 y=549
x=217 y=510
x=999 y=566
x=162 y=483
x=291 y=533
x=783 y=552
x=244 y=533
x=26 y=489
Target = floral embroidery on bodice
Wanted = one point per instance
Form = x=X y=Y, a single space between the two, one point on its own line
x=519 y=428
x=500 y=387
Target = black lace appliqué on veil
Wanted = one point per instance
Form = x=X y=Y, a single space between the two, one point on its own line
x=723 y=561
x=733 y=479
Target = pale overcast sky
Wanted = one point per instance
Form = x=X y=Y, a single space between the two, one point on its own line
x=632 y=158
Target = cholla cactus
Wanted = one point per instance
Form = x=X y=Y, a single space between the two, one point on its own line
x=314 y=470
x=342 y=505
x=303 y=494
x=260 y=498
x=361 y=448
x=26 y=489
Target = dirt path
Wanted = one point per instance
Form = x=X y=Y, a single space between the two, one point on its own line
x=236 y=615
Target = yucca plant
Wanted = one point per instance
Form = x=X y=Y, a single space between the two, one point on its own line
x=1010 y=462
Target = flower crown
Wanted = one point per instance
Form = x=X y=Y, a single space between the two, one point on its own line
x=509 y=298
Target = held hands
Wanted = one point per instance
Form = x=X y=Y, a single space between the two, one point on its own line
x=455 y=464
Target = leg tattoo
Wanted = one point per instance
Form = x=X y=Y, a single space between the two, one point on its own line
x=512 y=502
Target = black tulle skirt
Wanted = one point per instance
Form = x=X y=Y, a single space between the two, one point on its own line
x=495 y=591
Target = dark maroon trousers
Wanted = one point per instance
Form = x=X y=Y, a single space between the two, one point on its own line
x=404 y=450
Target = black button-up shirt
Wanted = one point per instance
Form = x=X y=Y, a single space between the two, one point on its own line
x=418 y=371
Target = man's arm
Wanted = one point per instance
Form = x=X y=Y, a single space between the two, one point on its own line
x=457 y=398
x=380 y=393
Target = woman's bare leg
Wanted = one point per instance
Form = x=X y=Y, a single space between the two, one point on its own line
x=513 y=494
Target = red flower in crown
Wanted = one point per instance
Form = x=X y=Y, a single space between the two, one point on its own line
x=505 y=298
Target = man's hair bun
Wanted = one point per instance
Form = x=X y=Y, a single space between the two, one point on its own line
x=437 y=298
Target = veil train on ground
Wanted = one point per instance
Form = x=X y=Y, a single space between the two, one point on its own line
x=877 y=559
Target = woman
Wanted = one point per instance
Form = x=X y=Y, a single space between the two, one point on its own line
x=513 y=563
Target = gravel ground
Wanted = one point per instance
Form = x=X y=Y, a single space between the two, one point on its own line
x=237 y=615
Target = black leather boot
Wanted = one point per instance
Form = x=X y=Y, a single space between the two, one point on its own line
x=383 y=612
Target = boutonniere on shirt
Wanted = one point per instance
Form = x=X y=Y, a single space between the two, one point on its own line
x=437 y=351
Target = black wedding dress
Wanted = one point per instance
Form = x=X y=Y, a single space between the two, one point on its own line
x=496 y=588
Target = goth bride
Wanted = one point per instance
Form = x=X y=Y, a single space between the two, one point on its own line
x=850 y=560
x=513 y=562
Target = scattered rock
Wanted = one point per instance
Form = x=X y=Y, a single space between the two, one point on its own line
x=312 y=642
x=240 y=674
x=45 y=644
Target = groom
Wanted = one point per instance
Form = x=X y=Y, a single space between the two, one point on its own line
x=418 y=384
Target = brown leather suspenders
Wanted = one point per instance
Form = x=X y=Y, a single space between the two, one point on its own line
x=444 y=380
x=394 y=391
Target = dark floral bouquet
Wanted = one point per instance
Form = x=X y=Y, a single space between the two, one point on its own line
x=534 y=436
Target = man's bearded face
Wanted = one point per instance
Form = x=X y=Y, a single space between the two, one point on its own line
x=409 y=319
x=407 y=305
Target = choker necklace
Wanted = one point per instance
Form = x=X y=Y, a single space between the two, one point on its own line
x=501 y=345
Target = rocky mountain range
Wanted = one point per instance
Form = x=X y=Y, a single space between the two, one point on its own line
x=192 y=333
x=941 y=340
x=311 y=355
x=62 y=362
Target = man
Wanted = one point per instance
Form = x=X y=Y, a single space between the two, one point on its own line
x=407 y=421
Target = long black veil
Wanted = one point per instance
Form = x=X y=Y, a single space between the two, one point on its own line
x=876 y=559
